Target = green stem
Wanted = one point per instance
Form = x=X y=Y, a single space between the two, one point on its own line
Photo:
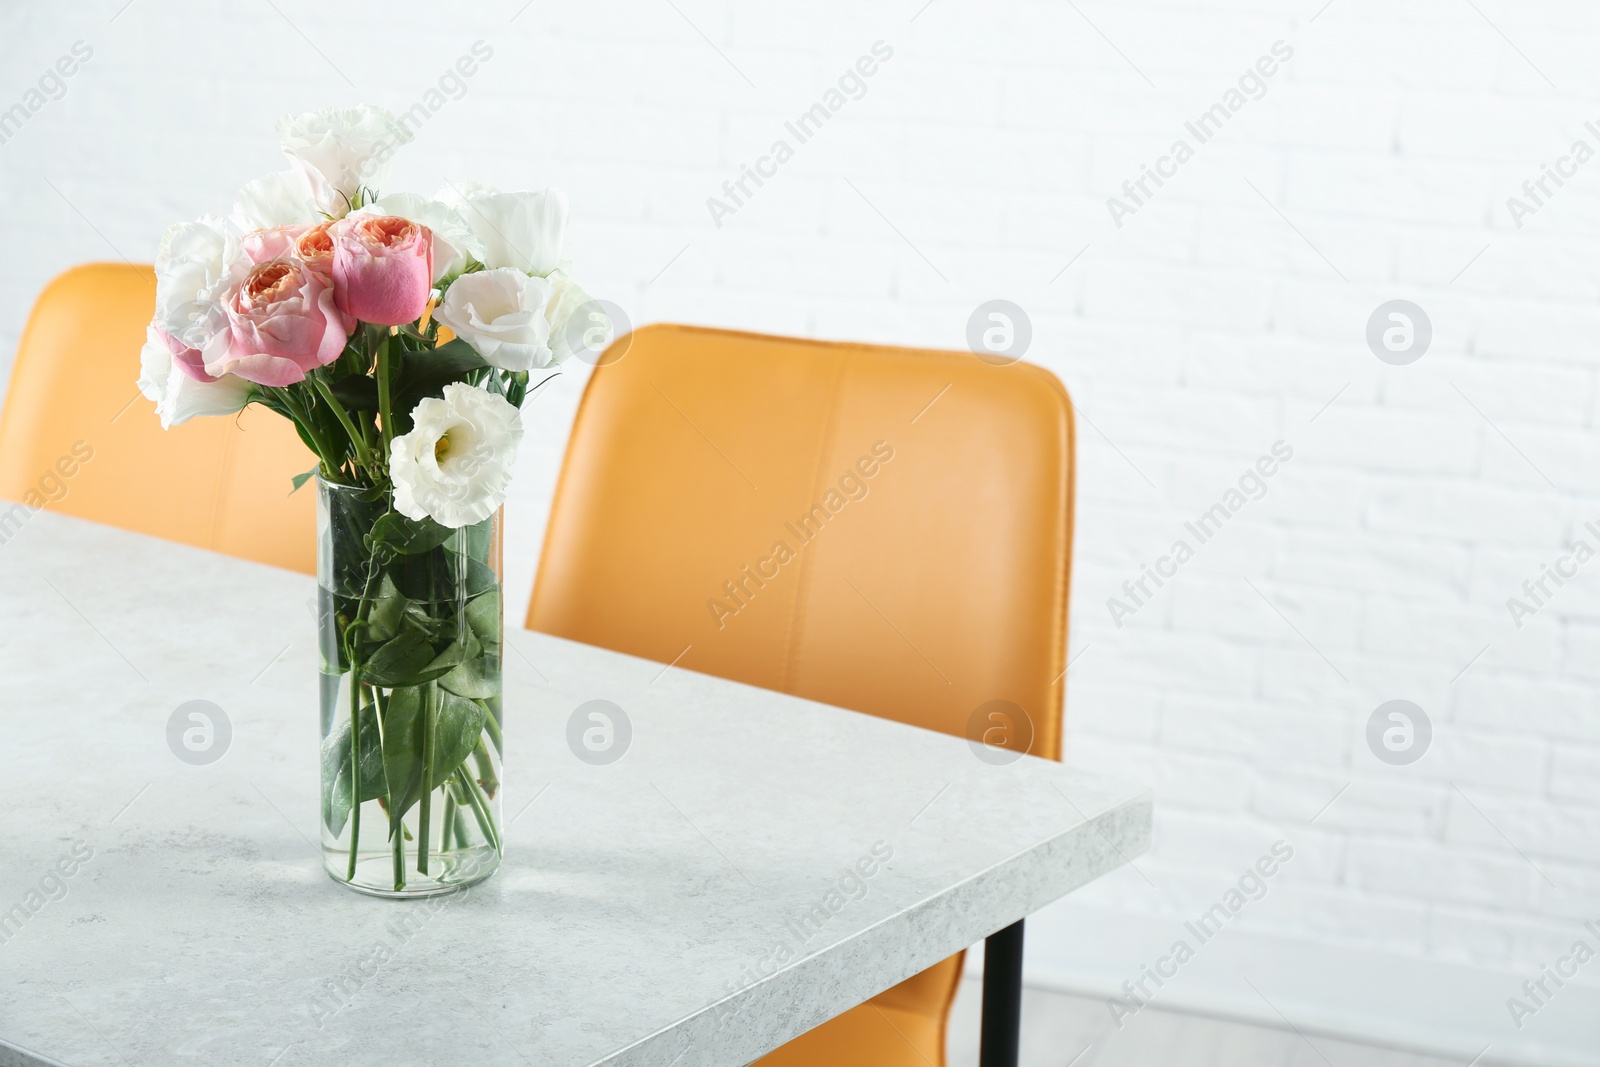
x=395 y=835
x=386 y=415
x=491 y=723
x=448 y=823
x=480 y=810
x=355 y=772
x=359 y=440
x=430 y=716
x=486 y=768
x=324 y=450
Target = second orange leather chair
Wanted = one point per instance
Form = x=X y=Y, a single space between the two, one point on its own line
x=882 y=529
x=76 y=436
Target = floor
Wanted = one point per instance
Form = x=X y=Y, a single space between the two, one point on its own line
x=1061 y=1030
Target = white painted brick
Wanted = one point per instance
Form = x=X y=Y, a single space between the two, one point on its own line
x=1212 y=665
x=1573 y=892
x=1455 y=635
x=1575 y=774
x=1560 y=831
x=1465 y=511
x=1494 y=939
x=1348 y=917
x=1331 y=620
x=1426 y=870
x=1509 y=392
x=1528 y=455
x=1393 y=565
x=1582 y=658
x=1385 y=187
x=1395 y=439
x=1528 y=707
x=1123 y=712
x=1457 y=754
x=1191 y=782
x=1272 y=737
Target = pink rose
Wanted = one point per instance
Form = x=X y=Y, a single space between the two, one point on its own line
x=283 y=323
x=382 y=268
x=189 y=360
x=259 y=246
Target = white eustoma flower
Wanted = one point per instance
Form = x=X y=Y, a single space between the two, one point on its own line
x=577 y=324
x=342 y=150
x=196 y=266
x=522 y=230
x=179 y=397
x=501 y=314
x=454 y=243
x=282 y=198
x=455 y=465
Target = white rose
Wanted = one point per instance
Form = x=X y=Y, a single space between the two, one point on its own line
x=455 y=465
x=522 y=230
x=282 y=198
x=178 y=397
x=454 y=243
x=341 y=150
x=197 y=263
x=501 y=314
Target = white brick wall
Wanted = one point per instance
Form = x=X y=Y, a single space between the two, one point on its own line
x=1193 y=337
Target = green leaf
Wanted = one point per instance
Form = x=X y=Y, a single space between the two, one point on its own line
x=455 y=653
x=357 y=392
x=402 y=752
x=456 y=731
x=477 y=678
x=408 y=536
x=383 y=620
x=336 y=802
x=483 y=615
x=302 y=479
x=402 y=661
x=425 y=373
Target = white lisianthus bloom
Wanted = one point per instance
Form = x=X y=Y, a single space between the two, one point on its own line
x=179 y=397
x=340 y=150
x=282 y=198
x=522 y=230
x=454 y=243
x=455 y=465
x=589 y=332
x=501 y=314
x=198 y=263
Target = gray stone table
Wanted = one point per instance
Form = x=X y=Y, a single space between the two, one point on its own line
x=641 y=905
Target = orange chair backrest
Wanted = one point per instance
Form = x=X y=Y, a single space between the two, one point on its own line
x=76 y=436
x=882 y=529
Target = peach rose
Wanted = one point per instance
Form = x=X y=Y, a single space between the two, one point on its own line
x=315 y=248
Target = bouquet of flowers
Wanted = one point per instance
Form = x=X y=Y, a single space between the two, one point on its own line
x=398 y=334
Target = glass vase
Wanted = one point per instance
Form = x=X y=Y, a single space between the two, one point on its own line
x=409 y=622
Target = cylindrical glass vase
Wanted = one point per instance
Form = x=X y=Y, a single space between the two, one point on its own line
x=409 y=626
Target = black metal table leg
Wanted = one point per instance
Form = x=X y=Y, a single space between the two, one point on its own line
x=1002 y=998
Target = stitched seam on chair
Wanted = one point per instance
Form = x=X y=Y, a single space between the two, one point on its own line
x=803 y=583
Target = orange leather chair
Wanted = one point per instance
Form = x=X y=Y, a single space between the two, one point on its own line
x=883 y=529
x=76 y=436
